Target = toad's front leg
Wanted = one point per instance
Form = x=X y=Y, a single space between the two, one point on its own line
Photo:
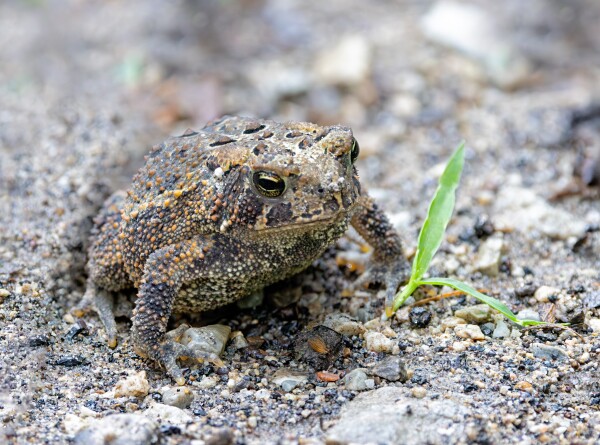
x=165 y=271
x=388 y=264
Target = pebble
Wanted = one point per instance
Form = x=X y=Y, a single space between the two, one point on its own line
x=418 y=392
x=119 y=429
x=344 y=324
x=326 y=376
x=391 y=368
x=346 y=63
x=356 y=380
x=207 y=382
x=487 y=329
x=501 y=330
x=419 y=317
x=377 y=342
x=478 y=314
x=528 y=314
x=543 y=293
x=162 y=413
x=452 y=322
x=489 y=256
x=238 y=341
x=548 y=352
x=212 y=338
x=594 y=324
x=73 y=424
x=288 y=378
x=180 y=396
x=459 y=346
x=471 y=331
x=3 y=294
x=134 y=385
x=524 y=386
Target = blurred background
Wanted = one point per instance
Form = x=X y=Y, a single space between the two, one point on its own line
x=382 y=66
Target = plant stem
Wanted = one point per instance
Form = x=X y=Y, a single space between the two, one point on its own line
x=406 y=292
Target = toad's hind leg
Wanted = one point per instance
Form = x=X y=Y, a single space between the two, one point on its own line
x=106 y=271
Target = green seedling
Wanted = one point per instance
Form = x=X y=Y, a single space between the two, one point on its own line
x=432 y=235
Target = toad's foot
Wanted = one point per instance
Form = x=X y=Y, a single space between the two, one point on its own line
x=100 y=300
x=167 y=353
x=390 y=273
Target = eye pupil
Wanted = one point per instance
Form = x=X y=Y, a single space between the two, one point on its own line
x=355 y=150
x=268 y=184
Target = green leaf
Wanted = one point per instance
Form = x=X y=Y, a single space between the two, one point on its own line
x=490 y=301
x=438 y=215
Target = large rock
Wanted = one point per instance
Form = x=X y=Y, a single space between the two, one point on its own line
x=388 y=415
x=119 y=429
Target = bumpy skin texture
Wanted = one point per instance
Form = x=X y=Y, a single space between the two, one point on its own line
x=195 y=231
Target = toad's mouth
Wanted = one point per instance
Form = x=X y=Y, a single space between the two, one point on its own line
x=327 y=221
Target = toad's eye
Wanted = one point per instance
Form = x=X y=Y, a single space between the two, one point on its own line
x=355 y=151
x=268 y=184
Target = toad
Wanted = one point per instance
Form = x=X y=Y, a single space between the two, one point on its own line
x=217 y=214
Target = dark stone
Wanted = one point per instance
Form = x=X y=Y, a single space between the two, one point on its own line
x=320 y=347
x=419 y=317
x=71 y=361
x=39 y=340
x=391 y=368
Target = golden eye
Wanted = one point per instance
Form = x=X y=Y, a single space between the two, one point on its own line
x=355 y=151
x=268 y=184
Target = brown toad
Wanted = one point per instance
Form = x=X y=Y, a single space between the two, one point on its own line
x=218 y=214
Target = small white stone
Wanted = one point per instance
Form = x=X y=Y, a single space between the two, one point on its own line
x=262 y=394
x=377 y=342
x=167 y=414
x=489 y=256
x=528 y=314
x=73 y=424
x=594 y=324
x=459 y=346
x=218 y=172
x=252 y=422
x=501 y=330
x=418 y=392
x=207 y=382
x=134 y=385
x=543 y=293
x=471 y=331
x=179 y=396
x=478 y=313
x=344 y=324
x=452 y=322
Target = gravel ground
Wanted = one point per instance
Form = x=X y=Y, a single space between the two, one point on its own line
x=87 y=87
